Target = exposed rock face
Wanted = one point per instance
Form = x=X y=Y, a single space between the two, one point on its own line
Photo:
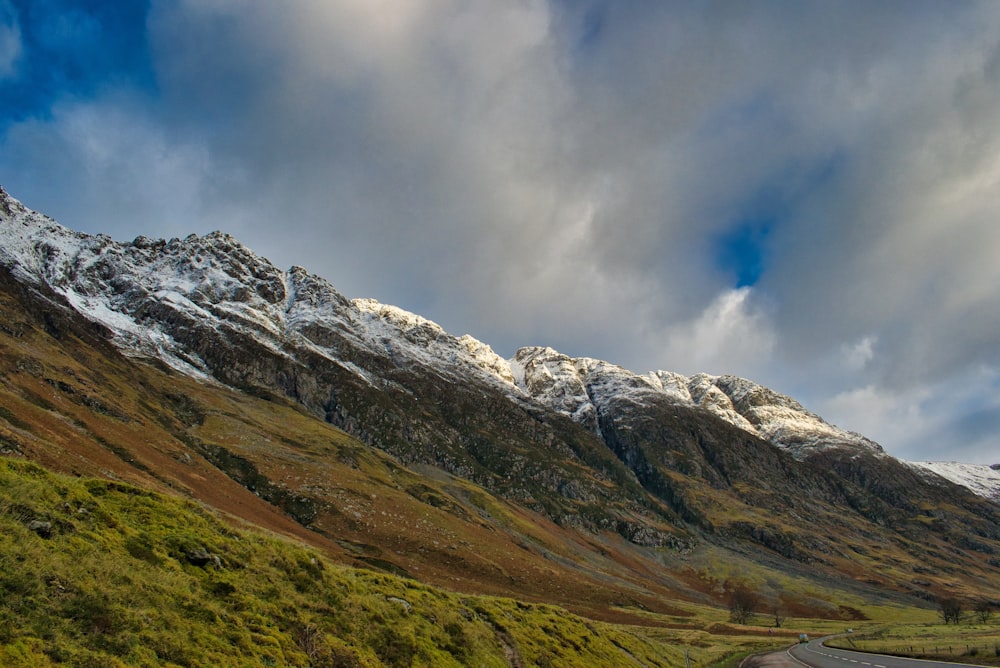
x=203 y=558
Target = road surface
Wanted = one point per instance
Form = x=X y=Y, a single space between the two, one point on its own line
x=814 y=655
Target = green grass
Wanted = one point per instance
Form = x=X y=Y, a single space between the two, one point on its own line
x=925 y=637
x=115 y=584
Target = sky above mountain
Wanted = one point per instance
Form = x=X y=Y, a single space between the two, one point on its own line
x=803 y=193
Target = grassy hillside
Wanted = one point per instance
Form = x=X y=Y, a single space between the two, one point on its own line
x=94 y=572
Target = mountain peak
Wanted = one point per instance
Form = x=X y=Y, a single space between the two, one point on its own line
x=585 y=388
x=7 y=203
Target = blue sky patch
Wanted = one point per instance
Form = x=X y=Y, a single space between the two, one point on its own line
x=74 y=49
x=742 y=251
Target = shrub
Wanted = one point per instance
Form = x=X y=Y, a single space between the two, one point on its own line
x=394 y=648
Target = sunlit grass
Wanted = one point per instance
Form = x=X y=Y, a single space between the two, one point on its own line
x=109 y=575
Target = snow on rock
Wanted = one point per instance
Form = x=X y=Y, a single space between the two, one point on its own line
x=409 y=338
x=784 y=422
x=488 y=360
x=585 y=388
x=152 y=293
x=145 y=291
x=707 y=395
x=979 y=478
x=554 y=380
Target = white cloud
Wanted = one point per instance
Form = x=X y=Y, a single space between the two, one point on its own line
x=955 y=418
x=732 y=335
x=857 y=355
x=883 y=415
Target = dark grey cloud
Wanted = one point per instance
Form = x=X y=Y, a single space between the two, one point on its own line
x=590 y=175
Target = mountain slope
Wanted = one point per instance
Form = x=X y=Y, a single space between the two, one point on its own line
x=197 y=366
x=71 y=402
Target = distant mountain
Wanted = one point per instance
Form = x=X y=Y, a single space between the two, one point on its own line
x=979 y=478
x=388 y=441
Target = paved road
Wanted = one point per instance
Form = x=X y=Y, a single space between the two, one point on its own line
x=814 y=655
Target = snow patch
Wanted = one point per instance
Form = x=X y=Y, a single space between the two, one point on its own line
x=979 y=478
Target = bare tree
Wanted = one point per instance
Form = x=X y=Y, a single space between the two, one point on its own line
x=984 y=610
x=951 y=609
x=743 y=601
x=779 y=616
x=779 y=612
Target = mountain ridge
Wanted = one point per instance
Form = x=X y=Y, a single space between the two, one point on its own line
x=543 y=464
x=227 y=281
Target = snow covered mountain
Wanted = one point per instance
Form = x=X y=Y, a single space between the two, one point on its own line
x=584 y=388
x=981 y=479
x=100 y=339
x=149 y=293
x=154 y=295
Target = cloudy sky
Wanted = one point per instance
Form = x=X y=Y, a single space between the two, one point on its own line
x=803 y=193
